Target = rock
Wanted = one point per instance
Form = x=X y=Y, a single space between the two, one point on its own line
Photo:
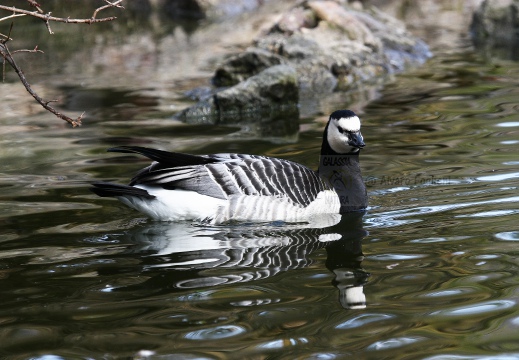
x=244 y=65
x=274 y=90
x=295 y=20
x=339 y=17
x=315 y=48
x=495 y=26
x=342 y=48
x=276 y=85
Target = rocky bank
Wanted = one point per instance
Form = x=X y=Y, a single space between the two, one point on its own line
x=316 y=47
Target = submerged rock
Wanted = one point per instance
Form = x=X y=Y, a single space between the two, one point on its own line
x=273 y=90
x=495 y=27
x=244 y=65
x=276 y=85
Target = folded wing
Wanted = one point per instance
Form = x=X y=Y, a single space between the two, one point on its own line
x=225 y=175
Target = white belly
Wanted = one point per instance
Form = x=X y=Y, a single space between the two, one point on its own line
x=175 y=205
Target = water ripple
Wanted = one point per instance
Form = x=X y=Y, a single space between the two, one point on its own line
x=511 y=356
x=499 y=177
x=433 y=240
x=395 y=257
x=450 y=292
x=508 y=124
x=282 y=343
x=388 y=218
x=508 y=236
x=395 y=342
x=474 y=309
x=492 y=213
x=364 y=319
x=216 y=333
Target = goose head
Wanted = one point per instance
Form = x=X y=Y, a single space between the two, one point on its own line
x=342 y=134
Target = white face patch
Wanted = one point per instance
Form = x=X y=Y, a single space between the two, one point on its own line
x=338 y=137
x=349 y=124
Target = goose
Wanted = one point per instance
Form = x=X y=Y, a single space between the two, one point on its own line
x=223 y=188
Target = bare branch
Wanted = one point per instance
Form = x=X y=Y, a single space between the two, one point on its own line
x=47 y=17
x=6 y=54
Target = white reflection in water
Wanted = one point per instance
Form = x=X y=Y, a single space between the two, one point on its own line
x=450 y=292
x=492 y=213
x=511 y=356
x=481 y=308
x=508 y=236
x=394 y=257
x=433 y=240
x=281 y=343
x=499 y=177
x=508 y=124
x=219 y=332
x=364 y=319
x=395 y=342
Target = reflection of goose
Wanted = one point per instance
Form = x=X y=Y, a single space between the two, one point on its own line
x=222 y=187
x=248 y=253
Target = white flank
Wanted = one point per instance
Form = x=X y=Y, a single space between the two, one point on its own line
x=175 y=205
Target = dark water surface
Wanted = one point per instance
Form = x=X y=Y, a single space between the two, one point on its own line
x=436 y=256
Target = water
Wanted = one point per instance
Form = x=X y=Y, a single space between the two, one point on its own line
x=429 y=272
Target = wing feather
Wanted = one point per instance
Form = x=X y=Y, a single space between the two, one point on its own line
x=225 y=175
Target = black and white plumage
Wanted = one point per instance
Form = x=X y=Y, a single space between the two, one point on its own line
x=219 y=188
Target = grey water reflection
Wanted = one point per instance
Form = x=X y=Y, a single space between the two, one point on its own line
x=245 y=253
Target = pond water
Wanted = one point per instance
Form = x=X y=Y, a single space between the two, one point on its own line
x=430 y=272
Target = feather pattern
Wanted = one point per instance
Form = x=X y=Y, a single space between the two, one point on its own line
x=225 y=175
x=218 y=188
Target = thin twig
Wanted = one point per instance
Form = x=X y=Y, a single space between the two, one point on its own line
x=6 y=54
x=11 y=16
x=35 y=50
x=47 y=24
x=3 y=70
x=114 y=4
x=6 y=38
x=35 y=5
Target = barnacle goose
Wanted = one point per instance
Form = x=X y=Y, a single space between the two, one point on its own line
x=219 y=188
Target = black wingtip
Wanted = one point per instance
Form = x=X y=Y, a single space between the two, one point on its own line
x=172 y=159
x=106 y=189
x=152 y=154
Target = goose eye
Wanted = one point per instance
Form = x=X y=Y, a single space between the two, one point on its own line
x=341 y=130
